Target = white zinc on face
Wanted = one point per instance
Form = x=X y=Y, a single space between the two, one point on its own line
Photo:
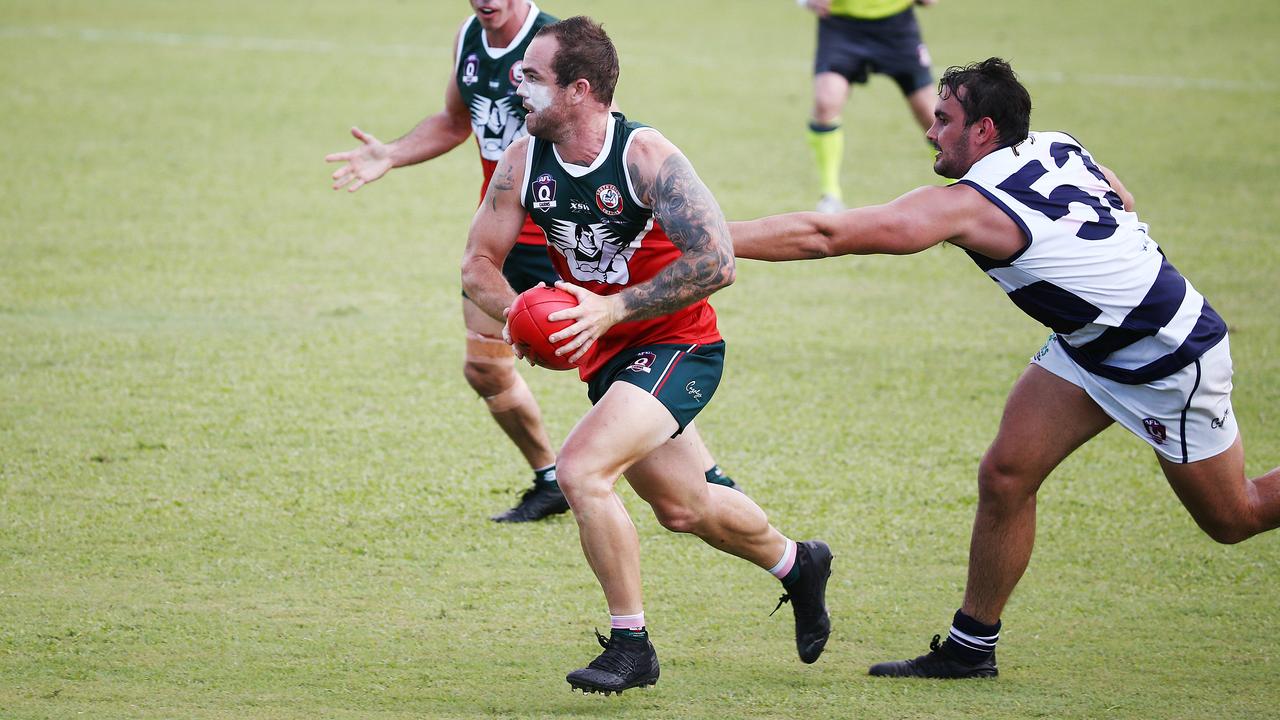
x=537 y=95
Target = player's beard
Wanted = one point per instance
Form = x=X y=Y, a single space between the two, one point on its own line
x=544 y=125
x=954 y=161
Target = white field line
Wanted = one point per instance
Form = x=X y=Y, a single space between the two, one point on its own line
x=213 y=41
x=1163 y=82
x=325 y=47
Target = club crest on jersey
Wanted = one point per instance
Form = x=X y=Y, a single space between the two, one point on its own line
x=544 y=192
x=643 y=362
x=471 y=70
x=609 y=199
x=517 y=72
x=1156 y=430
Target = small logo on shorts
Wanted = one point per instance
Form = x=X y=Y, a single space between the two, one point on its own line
x=693 y=391
x=1156 y=430
x=922 y=54
x=1218 y=423
x=643 y=363
x=1044 y=350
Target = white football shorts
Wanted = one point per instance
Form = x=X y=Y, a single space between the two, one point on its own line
x=1185 y=416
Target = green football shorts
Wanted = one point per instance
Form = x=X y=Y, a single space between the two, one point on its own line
x=682 y=377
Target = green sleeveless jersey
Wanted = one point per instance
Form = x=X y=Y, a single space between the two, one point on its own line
x=869 y=9
x=602 y=237
x=589 y=214
x=487 y=78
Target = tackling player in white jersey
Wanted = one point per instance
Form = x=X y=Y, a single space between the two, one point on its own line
x=1133 y=342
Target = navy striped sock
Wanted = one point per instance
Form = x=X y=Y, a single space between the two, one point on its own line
x=971 y=641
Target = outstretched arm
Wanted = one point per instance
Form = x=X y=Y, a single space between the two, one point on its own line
x=916 y=221
x=689 y=214
x=433 y=136
x=494 y=230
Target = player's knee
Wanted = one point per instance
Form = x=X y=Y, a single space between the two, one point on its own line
x=828 y=104
x=488 y=379
x=581 y=480
x=490 y=365
x=676 y=518
x=1004 y=482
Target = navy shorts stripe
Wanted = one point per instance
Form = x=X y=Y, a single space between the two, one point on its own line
x=1182 y=425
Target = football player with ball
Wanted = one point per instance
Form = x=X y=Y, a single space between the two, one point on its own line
x=641 y=334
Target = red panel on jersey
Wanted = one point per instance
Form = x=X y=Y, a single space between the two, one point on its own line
x=695 y=323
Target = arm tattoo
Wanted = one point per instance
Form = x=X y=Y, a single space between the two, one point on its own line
x=504 y=183
x=692 y=219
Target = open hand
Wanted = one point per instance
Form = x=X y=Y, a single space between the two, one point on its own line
x=365 y=164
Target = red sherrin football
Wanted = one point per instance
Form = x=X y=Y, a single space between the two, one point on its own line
x=527 y=322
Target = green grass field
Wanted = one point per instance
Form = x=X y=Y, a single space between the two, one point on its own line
x=241 y=475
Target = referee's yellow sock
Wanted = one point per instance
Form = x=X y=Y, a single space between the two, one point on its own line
x=827 y=142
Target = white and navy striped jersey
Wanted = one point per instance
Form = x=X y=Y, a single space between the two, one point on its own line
x=1088 y=269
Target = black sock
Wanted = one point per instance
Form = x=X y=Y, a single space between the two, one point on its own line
x=547 y=476
x=971 y=641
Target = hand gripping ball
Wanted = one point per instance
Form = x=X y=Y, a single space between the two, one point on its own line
x=528 y=325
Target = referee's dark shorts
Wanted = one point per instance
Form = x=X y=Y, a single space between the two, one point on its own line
x=889 y=46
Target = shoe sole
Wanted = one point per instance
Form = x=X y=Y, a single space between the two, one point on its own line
x=590 y=689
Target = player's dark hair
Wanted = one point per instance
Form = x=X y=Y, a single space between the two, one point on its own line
x=991 y=89
x=585 y=52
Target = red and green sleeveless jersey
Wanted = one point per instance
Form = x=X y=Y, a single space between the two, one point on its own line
x=487 y=78
x=602 y=237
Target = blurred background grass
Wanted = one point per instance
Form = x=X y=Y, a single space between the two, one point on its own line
x=241 y=475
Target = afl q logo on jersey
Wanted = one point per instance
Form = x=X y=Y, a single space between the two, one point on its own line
x=609 y=199
x=471 y=70
x=544 y=192
x=517 y=72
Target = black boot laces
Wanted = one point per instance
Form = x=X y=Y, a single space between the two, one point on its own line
x=935 y=643
x=786 y=598
x=613 y=660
